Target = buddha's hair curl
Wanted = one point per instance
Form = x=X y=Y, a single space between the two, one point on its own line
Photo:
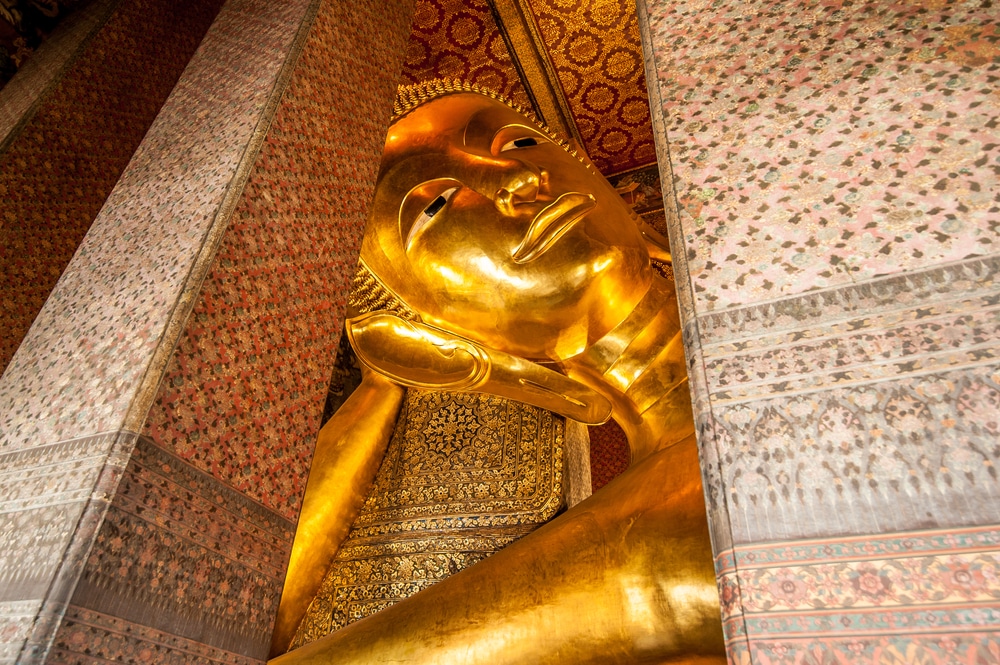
x=370 y=294
x=409 y=97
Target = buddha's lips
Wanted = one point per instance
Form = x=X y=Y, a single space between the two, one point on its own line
x=551 y=223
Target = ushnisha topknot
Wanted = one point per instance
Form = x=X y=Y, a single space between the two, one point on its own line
x=409 y=97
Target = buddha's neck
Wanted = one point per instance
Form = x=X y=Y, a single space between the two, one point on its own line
x=640 y=367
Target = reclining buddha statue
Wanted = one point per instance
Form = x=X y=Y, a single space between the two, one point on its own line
x=498 y=261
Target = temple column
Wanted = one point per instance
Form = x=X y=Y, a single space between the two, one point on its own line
x=70 y=121
x=834 y=171
x=208 y=288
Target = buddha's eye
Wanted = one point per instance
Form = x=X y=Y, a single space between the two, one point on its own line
x=516 y=137
x=428 y=213
x=435 y=206
x=523 y=142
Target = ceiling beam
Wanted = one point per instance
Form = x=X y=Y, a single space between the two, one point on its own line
x=517 y=26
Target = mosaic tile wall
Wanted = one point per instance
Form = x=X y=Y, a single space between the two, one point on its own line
x=182 y=565
x=595 y=49
x=459 y=39
x=53 y=58
x=609 y=454
x=58 y=167
x=835 y=174
x=866 y=131
x=24 y=26
x=85 y=374
x=243 y=394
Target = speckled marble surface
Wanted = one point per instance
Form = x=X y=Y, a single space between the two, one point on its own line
x=775 y=360
x=834 y=170
x=92 y=360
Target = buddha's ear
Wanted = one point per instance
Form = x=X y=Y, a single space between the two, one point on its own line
x=421 y=356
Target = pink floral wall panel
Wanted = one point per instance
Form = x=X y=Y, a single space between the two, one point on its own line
x=834 y=166
x=819 y=143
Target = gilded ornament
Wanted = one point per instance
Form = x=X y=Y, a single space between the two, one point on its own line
x=522 y=265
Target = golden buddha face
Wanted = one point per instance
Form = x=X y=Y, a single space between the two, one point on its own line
x=489 y=229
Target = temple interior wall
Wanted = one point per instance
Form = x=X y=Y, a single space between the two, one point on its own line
x=69 y=130
x=236 y=415
x=120 y=539
x=834 y=181
x=834 y=167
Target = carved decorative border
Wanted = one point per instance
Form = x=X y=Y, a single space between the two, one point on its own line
x=862 y=548
x=57 y=538
x=878 y=591
x=827 y=307
x=92 y=638
x=181 y=552
x=51 y=500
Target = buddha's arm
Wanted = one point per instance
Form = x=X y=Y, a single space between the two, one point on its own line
x=624 y=577
x=349 y=450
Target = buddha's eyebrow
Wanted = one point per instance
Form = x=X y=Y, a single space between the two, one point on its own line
x=477 y=124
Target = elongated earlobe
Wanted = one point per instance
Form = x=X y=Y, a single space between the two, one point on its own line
x=421 y=356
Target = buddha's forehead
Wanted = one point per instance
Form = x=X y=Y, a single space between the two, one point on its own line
x=456 y=121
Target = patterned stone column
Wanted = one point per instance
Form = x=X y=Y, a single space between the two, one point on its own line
x=835 y=171
x=50 y=63
x=70 y=121
x=117 y=542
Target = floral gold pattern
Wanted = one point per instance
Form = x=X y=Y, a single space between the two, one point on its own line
x=458 y=39
x=594 y=47
x=464 y=475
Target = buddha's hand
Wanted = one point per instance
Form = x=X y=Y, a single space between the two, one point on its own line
x=418 y=355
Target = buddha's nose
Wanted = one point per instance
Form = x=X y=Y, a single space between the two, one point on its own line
x=520 y=184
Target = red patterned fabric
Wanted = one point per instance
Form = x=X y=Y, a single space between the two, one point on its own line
x=609 y=453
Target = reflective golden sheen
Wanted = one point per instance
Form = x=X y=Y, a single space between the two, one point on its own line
x=348 y=453
x=533 y=253
x=513 y=252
